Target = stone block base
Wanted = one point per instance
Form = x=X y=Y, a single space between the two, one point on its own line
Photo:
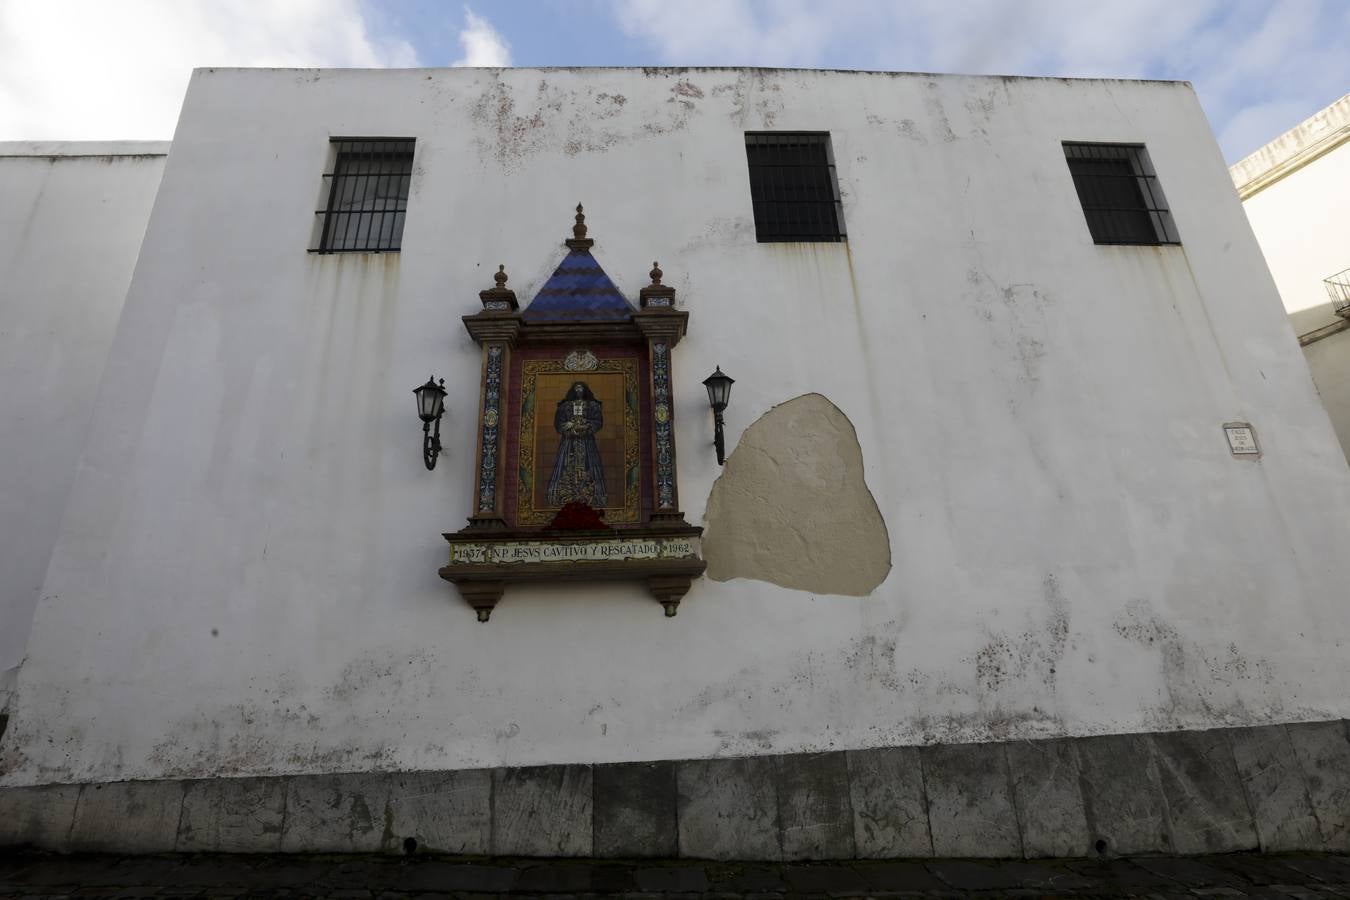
x=1274 y=788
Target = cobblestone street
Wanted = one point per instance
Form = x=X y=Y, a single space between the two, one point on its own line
x=1233 y=875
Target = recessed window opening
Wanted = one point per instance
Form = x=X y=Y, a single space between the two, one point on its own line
x=366 y=195
x=1122 y=199
x=793 y=186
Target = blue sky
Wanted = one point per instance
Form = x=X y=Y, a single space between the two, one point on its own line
x=538 y=32
x=1259 y=66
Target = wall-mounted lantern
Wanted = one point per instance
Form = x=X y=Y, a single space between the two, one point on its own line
x=719 y=392
x=430 y=407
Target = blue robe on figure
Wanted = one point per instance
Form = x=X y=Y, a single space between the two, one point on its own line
x=578 y=474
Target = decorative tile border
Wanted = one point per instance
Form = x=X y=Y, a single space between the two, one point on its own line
x=492 y=401
x=661 y=414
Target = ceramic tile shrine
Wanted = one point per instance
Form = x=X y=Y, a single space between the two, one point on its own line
x=576 y=453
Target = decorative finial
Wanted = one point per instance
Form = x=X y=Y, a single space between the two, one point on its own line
x=657 y=294
x=499 y=298
x=578 y=242
x=579 y=229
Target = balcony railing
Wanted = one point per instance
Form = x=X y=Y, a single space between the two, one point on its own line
x=1338 y=289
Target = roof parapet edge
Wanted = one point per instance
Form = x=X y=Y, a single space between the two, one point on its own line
x=77 y=149
x=1307 y=141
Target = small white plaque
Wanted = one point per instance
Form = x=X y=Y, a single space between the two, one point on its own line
x=1241 y=439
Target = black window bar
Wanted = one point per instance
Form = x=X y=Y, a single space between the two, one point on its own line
x=1121 y=197
x=793 y=186
x=367 y=195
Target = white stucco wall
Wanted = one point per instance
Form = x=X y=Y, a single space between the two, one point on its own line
x=246 y=575
x=72 y=216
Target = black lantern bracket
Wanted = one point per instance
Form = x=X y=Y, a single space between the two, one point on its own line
x=719 y=393
x=430 y=408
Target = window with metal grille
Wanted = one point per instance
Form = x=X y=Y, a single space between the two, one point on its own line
x=366 y=195
x=793 y=186
x=1121 y=197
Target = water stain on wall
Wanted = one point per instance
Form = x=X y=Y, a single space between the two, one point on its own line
x=1196 y=682
x=517 y=123
x=792 y=507
x=1034 y=654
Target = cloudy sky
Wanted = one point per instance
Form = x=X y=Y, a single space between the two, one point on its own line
x=108 y=69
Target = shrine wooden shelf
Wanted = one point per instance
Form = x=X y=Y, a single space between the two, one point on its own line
x=484 y=562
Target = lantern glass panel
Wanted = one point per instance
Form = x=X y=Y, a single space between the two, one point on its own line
x=719 y=389
x=430 y=401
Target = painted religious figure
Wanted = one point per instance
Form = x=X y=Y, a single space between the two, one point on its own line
x=578 y=474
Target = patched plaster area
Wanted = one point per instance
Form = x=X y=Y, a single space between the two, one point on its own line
x=792 y=508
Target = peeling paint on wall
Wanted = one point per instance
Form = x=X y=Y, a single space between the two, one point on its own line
x=793 y=509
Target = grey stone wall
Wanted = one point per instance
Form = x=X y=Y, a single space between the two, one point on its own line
x=1273 y=788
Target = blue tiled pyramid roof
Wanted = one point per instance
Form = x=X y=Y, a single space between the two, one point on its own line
x=578 y=291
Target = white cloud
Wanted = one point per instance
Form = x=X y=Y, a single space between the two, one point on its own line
x=732 y=32
x=1259 y=66
x=481 y=43
x=113 y=69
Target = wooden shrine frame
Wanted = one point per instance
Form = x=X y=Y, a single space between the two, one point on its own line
x=578 y=323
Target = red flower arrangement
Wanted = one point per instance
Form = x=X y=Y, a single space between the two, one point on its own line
x=578 y=516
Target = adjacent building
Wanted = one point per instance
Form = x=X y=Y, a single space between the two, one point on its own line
x=72 y=216
x=1293 y=191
